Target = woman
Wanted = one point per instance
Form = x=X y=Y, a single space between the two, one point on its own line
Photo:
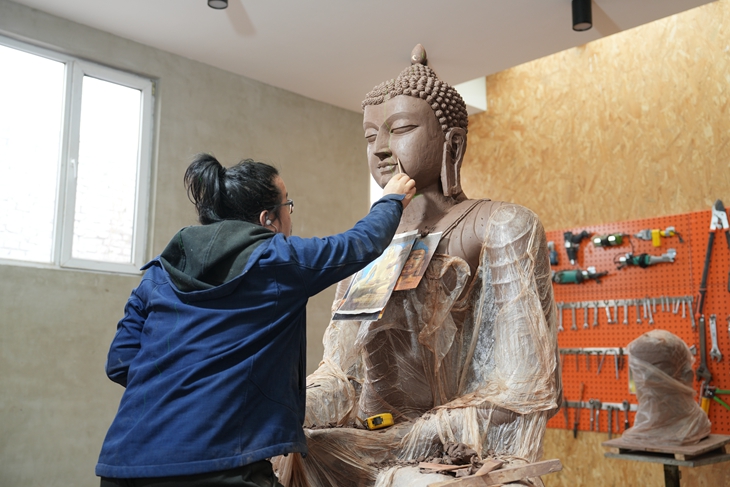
x=212 y=346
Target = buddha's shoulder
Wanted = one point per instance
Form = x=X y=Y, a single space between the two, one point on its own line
x=488 y=213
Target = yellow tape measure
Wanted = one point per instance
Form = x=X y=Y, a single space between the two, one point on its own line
x=378 y=421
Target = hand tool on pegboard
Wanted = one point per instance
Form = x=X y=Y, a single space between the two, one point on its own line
x=578 y=276
x=644 y=260
x=655 y=235
x=572 y=244
x=715 y=350
x=703 y=373
x=598 y=404
x=718 y=221
x=576 y=420
x=609 y=240
x=552 y=253
x=609 y=411
x=709 y=393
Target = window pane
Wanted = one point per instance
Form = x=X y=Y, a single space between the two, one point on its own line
x=31 y=108
x=107 y=172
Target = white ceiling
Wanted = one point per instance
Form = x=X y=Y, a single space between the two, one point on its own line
x=335 y=51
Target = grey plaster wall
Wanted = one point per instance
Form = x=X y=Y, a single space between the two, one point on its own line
x=55 y=325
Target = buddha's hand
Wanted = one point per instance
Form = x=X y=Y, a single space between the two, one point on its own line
x=401 y=184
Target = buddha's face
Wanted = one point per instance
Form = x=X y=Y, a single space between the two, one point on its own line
x=404 y=127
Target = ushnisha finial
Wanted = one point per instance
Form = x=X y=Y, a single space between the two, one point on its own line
x=420 y=81
x=418 y=55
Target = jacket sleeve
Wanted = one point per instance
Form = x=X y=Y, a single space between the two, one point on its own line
x=325 y=261
x=126 y=343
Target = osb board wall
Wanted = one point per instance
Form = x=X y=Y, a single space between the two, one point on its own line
x=631 y=126
x=584 y=464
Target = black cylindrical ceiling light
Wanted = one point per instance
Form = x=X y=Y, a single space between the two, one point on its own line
x=218 y=4
x=582 y=18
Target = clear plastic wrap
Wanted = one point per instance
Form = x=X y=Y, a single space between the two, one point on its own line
x=462 y=360
x=661 y=367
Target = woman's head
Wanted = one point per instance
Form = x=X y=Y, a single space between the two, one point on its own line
x=249 y=191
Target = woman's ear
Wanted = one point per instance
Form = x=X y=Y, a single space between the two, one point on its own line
x=264 y=218
x=454 y=150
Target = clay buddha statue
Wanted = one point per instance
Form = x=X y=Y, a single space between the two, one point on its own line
x=470 y=354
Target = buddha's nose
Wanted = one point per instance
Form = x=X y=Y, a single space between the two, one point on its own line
x=382 y=147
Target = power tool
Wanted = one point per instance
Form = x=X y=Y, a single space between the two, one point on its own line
x=645 y=260
x=655 y=235
x=572 y=244
x=612 y=240
x=553 y=253
x=577 y=276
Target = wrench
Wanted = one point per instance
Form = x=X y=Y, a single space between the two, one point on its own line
x=626 y=406
x=600 y=364
x=651 y=314
x=560 y=322
x=609 y=410
x=591 y=406
x=626 y=313
x=608 y=312
x=585 y=317
x=715 y=352
x=702 y=372
x=638 y=315
x=595 y=314
x=573 y=326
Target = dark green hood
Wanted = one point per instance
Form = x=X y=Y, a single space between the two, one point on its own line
x=205 y=256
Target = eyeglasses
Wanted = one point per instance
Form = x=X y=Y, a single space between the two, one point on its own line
x=289 y=203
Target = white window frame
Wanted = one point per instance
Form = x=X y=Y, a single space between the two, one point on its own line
x=75 y=70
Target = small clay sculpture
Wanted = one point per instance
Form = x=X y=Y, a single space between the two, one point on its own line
x=661 y=366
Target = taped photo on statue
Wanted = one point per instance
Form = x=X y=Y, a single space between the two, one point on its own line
x=371 y=287
x=417 y=263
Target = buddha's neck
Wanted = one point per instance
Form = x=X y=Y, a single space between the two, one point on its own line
x=426 y=209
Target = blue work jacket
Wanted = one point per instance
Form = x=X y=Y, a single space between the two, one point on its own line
x=215 y=373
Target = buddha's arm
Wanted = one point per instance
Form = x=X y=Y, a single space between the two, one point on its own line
x=513 y=383
x=526 y=375
x=331 y=395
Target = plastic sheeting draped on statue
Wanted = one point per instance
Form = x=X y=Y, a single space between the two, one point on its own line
x=661 y=367
x=472 y=361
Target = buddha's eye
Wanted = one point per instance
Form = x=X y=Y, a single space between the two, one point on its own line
x=371 y=136
x=404 y=129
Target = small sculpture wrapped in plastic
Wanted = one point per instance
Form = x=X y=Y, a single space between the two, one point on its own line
x=457 y=359
x=661 y=367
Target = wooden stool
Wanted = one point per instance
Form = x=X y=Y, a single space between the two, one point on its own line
x=713 y=449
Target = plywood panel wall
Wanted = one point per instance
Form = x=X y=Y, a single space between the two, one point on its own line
x=636 y=125
x=631 y=126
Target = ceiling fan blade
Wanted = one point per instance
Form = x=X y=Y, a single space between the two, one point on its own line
x=239 y=19
x=602 y=22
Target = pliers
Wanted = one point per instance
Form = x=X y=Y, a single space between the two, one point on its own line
x=718 y=222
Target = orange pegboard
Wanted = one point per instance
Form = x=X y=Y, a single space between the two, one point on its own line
x=680 y=279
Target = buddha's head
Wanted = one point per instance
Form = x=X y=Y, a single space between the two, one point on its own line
x=419 y=120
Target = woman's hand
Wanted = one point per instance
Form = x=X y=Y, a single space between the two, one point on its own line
x=401 y=184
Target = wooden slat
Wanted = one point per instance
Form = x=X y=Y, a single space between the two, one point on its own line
x=509 y=474
x=440 y=467
x=680 y=452
x=487 y=467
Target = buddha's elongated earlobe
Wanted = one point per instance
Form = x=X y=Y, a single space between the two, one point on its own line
x=454 y=148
